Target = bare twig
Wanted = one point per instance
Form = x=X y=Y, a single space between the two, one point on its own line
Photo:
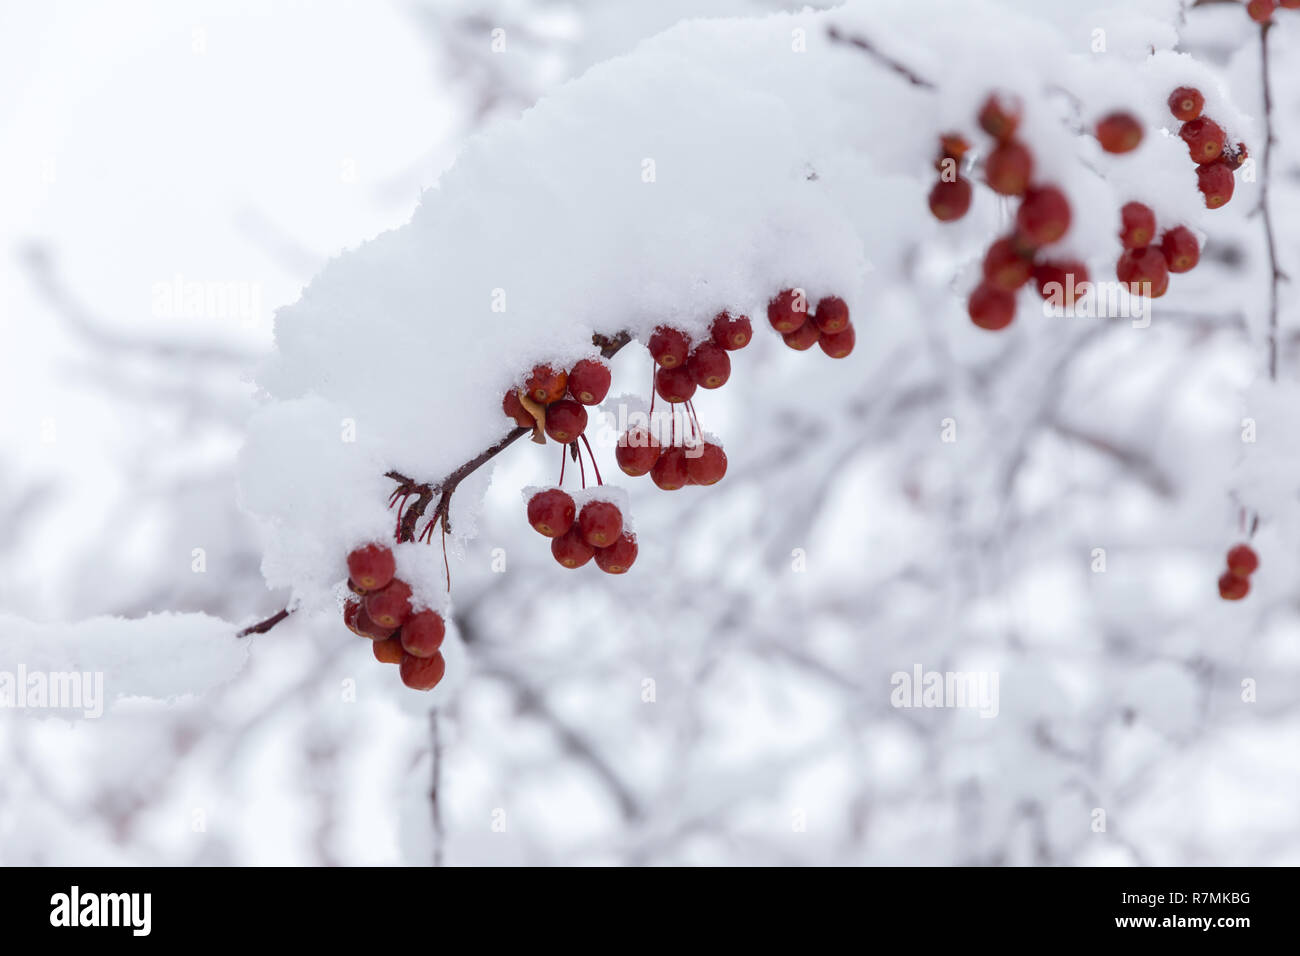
x=867 y=47
x=435 y=745
x=1277 y=275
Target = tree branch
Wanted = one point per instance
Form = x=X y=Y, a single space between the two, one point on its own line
x=609 y=346
x=867 y=47
x=1277 y=274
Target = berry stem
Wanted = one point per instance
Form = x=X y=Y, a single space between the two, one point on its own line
x=582 y=471
x=563 y=460
x=599 y=480
x=1263 y=201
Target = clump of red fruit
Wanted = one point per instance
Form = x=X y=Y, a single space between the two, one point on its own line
x=398 y=633
x=598 y=529
x=828 y=325
x=1242 y=563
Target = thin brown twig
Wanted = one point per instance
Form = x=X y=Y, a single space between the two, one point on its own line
x=1266 y=164
x=867 y=47
x=609 y=345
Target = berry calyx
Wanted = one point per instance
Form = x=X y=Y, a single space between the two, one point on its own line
x=422 y=673
x=802 y=338
x=565 y=420
x=1000 y=115
x=949 y=201
x=1181 y=250
x=991 y=308
x=952 y=147
x=708 y=466
x=619 y=556
x=1006 y=266
x=839 y=344
x=1119 y=133
x=1216 y=184
x=570 y=550
x=1233 y=588
x=546 y=384
x=1044 y=216
x=371 y=567
x=669 y=347
x=637 y=451
x=600 y=523
x=1242 y=561
x=1137 y=225
x=366 y=627
x=1144 y=271
x=674 y=385
x=1008 y=168
x=709 y=365
x=388 y=651
x=788 y=310
x=514 y=408
x=832 y=314
x=422 y=635
x=1204 y=139
x=1186 y=103
x=589 y=381
x=670 y=471
x=551 y=512
x=731 y=332
x=390 y=606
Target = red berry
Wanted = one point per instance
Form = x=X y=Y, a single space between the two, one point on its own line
x=1140 y=267
x=991 y=308
x=832 y=314
x=709 y=365
x=708 y=466
x=1137 y=225
x=389 y=606
x=1235 y=158
x=565 y=420
x=1006 y=266
x=371 y=567
x=422 y=635
x=1008 y=168
x=422 y=673
x=669 y=346
x=1181 y=250
x=1044 y=216
x=1204 y=139
x=674 y=385
x=350 y=611
x=368 y=628
x=1186 y=103
x=1233 y=588
x=600 y=523
x=1261 y=11
x=1000 y=115
x=837 y=344
x=637 y=451
x=788 y=311
x=551 y=512
x=570 y=550
x=1119 y=133
x=949 y=201
x=1242 y=561
x=952 y=146
x=1289 y=4
x=388 y=651
x=619 y=556
x=514 y=408
x=1069 y=276
x=802 y=338
x=731 y=332
x=589 y=381
x=670 y=471
x=1216 y=184
x=545 y=384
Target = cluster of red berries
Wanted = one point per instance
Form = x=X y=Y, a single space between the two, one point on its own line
x=578 y=536
x=1144 y=268
x=1235 y=583
x=827 y=326
x=1042 y=218
x=1215 y=159
x=555 y=399
x=1261 y=11
x=382 y=612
